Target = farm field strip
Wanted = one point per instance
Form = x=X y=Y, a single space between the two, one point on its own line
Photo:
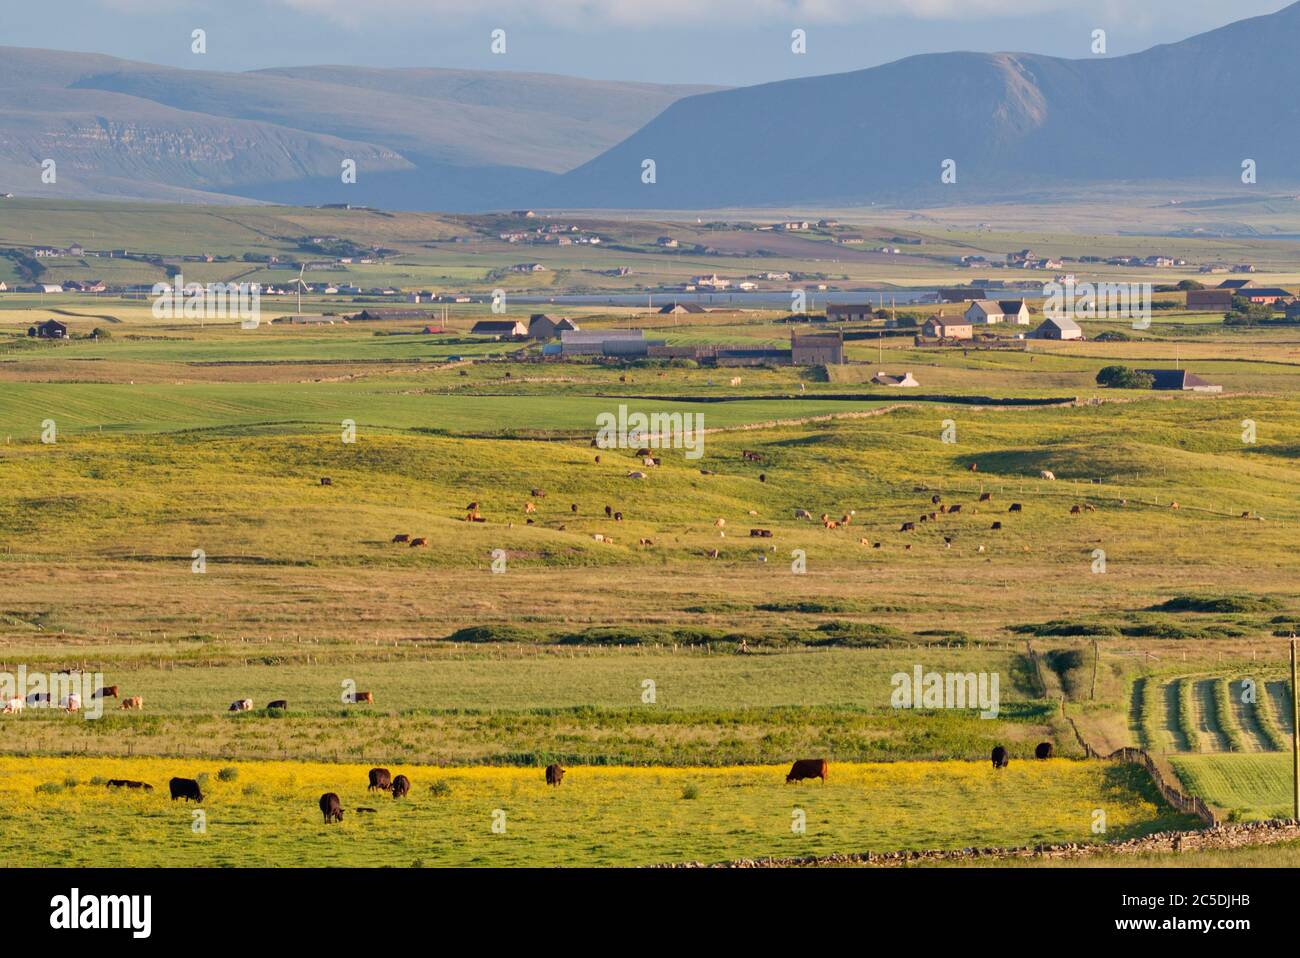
x=1252 y=786
x=1210 y=715
x=266 y=813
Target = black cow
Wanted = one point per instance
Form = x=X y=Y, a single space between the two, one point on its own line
x=401 y=785
x=907 y=527
x=1016 y=507
x=281 y=704
x=331 y=808
x=380 y=778
x=1044 y=750
x=554 y=774
x=128 y=783
x=1000 y=757
x=185 y=788
x=807 y=768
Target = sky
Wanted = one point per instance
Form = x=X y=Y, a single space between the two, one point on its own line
x=726 y=42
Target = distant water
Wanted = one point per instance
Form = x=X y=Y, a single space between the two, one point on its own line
x=760 y=299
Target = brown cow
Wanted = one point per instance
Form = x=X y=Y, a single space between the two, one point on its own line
x=538 y=493
x=326 y=481
x=420 y=543
x=381 y=779
x=1076 y=510
x=107 y=692
x=986 y=497
x=1044 y=750
x=362 y=697
x=133 y=702
x=401 y=537
x=331 y=808
x=974 y=467
x=401 y=786
x=907 y=527
x=807 y=768
x=760 y=533
x=555 y=774
x=529 y=508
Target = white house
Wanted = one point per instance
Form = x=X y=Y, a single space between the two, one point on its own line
x=984 y=312
x=1015 y=311
x=906 y=381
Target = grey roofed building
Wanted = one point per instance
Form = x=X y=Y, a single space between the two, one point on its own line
x=1058 y=327
x=682 y=308
x=1180 y=379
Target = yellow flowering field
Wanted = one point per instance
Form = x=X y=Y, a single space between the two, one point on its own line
x=59 y=812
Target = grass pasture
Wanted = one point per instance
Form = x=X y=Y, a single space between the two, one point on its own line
x=1249 y=786
x=267 y=815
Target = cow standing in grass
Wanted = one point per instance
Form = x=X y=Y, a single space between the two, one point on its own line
x=331 y=808
x=805 y=768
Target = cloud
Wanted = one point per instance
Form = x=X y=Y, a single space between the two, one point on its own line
x=681 y=14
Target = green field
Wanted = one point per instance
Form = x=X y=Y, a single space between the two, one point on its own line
x=176 y=536
x=1249 y=786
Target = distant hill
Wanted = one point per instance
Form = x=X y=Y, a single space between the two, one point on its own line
x=1019 y=127
x=1015 y=124
x=422 y=138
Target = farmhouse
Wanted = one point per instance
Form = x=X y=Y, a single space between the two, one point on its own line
x=850 y=312
x=940 y=327
x=1057 y=327
x=817 y=349
x=984 y=312
x=541 y=326
x=500 y=329
x=1015 y=311
x=1266 y=295
x=1213 y=299
x=1180 y=379
x=50 y=329
x=712 y=281
x=906 y=381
